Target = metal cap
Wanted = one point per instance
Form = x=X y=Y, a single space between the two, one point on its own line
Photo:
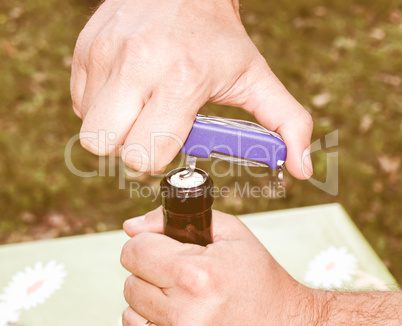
x=187 y=200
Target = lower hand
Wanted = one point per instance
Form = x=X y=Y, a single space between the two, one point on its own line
x=233 y=281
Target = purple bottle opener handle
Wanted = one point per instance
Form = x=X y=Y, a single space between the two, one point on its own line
x=205 y=138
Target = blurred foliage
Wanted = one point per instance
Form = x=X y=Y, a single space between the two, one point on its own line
x=341 y=60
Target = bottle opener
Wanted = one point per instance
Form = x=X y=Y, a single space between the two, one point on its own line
x=237 y=141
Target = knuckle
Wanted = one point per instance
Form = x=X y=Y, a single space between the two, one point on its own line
x=125 y=254
x=134 y=54
x=127 y=290
x=100 y=45
x=100 y=50
x=131 y=251
x=194 y=278
x=184 y=76
x=306 y=118
x=126 y=316
x=137 y=46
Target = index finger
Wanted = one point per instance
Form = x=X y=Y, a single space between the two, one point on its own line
x=155 y=258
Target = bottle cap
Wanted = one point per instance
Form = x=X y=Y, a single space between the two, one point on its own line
x=189 y=195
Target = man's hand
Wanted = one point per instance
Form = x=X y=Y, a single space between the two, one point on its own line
x=144 y=68
x=234 y=281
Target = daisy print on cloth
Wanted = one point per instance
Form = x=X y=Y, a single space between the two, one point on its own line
x=336 y=268
x=30 y=287
x=8 y=314
x=331 y=268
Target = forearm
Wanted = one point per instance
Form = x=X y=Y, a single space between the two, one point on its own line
x=359 y=308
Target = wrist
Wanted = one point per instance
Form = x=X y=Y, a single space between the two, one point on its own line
x=319 y=307
x=310 y=306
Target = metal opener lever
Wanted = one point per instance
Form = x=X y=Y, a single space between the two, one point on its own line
x=237 y=141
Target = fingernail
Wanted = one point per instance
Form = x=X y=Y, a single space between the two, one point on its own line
x=307 y=164
x=132 y=222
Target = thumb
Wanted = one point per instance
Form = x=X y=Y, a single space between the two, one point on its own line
x=276 y=109
x=150 y=222
x=224 y=226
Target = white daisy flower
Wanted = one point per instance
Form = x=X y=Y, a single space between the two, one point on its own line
x=330 y=268
x=34 y=285
x=8 y=314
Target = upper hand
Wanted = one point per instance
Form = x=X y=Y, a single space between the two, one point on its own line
x=146 y=67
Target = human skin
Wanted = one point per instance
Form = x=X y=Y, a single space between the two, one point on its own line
x=145 y=67
x=233 y=281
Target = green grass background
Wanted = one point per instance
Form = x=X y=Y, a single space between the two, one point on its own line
x=346 y=52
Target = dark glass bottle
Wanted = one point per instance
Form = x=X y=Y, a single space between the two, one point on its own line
x=187 y=206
